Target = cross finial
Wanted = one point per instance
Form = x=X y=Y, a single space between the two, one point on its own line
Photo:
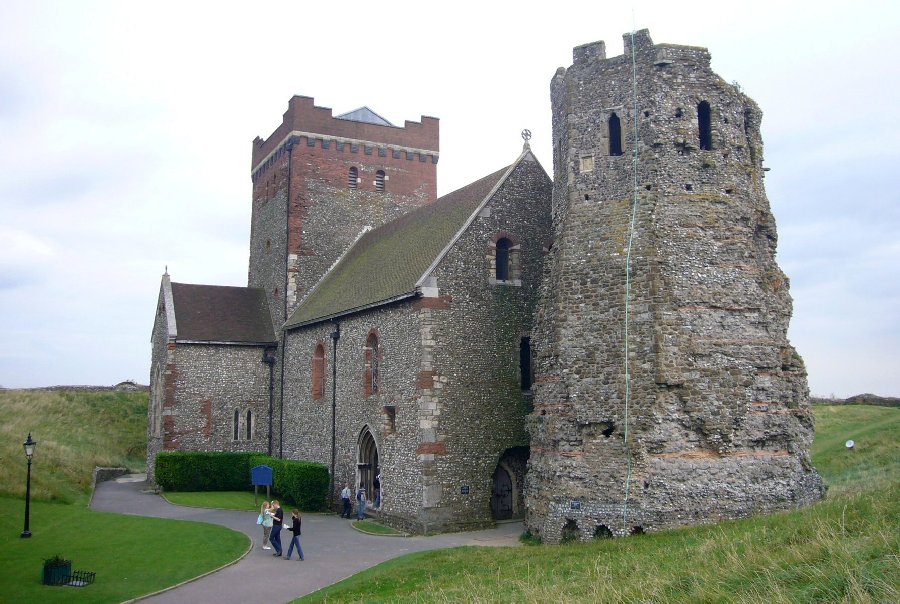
x=526 y=136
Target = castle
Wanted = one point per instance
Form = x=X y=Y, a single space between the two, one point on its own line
x=600 y=354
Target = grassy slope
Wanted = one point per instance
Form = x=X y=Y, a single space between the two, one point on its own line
x=76 y=431
x=843 y=549
x=131 y=556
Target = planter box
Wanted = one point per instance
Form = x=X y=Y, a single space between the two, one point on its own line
x=57 y=574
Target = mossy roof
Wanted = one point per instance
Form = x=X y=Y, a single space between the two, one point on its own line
x=386 y=263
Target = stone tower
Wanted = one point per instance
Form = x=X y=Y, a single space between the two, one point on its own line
x=319 y=180
x=666 y=390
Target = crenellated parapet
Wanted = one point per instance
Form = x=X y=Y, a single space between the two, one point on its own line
x=304 y=123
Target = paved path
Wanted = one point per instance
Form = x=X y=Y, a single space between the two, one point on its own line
x=333 y=550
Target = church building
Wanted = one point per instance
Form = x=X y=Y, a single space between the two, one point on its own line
x=600 y=354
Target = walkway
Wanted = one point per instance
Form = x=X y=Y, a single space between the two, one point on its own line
x=333 y=550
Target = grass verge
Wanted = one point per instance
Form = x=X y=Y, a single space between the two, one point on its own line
x=373 y=528
x=217 y=500
x=131 y=555
x=844 y=549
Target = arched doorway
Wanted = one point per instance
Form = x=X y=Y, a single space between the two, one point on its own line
x=502 y=496
x=508 y=484
x=367 y=467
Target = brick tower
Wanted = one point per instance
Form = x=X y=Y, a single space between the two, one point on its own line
x=319 y=180
x=666 y=390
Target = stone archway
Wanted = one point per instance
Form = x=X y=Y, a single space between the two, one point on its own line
x=367 y=466
x=508 y=484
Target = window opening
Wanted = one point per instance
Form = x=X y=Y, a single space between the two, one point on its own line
x=318 y=372
x=502 y=259
x=704 y=119
x=615 y=135
x=372 y=365
x=379 y=181
x=236 y=431
x=248 y=429
x=353 y=177
x=525 y=363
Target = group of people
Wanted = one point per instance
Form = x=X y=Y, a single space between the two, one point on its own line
x=361 y=500
x=271 y=518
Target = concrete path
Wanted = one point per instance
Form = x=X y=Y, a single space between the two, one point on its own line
x=333 y=550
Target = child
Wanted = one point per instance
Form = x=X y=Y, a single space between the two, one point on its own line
x=295 y=540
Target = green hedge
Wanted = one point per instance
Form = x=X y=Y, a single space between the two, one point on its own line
x=300 y=483
x=303 y=483
x=196 y=471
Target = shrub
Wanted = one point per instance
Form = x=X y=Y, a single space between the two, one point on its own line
x=304 y=483
x=197 y=471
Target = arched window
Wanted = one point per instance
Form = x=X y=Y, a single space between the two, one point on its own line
x=353 y=177
x=318 y=372
x=236 y=428
x=704 y=119
x=248 y=429
x=615 y=135
x=502 y=259
x=373 y=354
x=379 y=181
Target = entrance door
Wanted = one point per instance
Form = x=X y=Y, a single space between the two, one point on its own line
x=367 y=464
x=502 y=499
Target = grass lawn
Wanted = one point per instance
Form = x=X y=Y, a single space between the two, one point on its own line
x=373 y=528
x=219 y=500
x=132 y=556
x=844 y=549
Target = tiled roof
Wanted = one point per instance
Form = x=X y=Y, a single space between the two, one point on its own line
x=215 y=313
x=386 y=263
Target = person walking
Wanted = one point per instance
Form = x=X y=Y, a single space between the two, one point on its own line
x=377 y=485
x=345 y=499
x=265 y=519
x=277 y=524
x=295 y=539
x=361 y=502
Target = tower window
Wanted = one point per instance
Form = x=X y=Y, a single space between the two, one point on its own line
x=615 y=135
x=248 y=429
x=379 y=181
x=525 y=363
x=353 y=178
x=704 y=120
x=502 y=259
x=236 y=427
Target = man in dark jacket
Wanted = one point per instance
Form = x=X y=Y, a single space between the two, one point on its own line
x=277 y=523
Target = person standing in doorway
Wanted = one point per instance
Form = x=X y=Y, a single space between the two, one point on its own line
x=295 y=538
x=277 y=524
x=377 y=485
x=361 y=502
x=345 y=499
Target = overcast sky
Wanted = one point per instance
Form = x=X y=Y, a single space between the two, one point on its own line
x=126 y=136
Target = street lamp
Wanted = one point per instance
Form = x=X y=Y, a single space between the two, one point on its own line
x=29 y=452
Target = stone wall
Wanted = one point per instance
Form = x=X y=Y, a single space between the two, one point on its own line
x=710 y=394
x=450 y=403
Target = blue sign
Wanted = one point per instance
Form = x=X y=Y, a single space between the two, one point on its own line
x=261 y=476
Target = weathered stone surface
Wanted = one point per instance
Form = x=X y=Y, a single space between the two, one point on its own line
x=706 y=415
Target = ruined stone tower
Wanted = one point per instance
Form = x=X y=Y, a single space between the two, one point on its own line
x=666 y=390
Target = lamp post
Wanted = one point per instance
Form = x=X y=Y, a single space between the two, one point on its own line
x=29 y=452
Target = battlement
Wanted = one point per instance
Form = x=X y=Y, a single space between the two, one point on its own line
x=304 y=118
x=641 y=44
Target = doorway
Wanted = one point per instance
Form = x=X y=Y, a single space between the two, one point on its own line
x=367 y=467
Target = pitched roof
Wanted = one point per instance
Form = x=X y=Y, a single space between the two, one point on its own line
x=216 y=313
x=364 y=114
x=386 y=263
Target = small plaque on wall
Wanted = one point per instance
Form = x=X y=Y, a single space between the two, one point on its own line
x=575 y=505
x=464 y=490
